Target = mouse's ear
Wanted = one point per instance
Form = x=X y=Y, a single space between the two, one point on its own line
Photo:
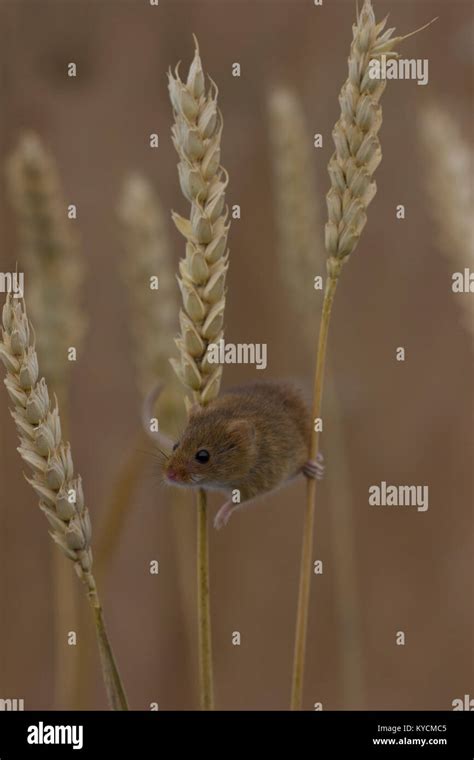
x=241 y=431
x=193 y=410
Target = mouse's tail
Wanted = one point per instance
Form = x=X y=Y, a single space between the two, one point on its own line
x=149 y=421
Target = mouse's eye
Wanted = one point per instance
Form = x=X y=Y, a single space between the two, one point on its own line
x=175 y=446
x=203 y=456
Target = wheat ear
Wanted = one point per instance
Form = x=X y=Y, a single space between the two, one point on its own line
x=296 y=201
x=197 y=136
x=153 y=316
x=301 y=254
x=50 y=254
x=59 y=490
x=351 y=167
x=146 y=263
x=449 y=168
x=147 y=257
x=49 y=251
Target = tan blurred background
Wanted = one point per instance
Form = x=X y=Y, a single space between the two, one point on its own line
x=407 y=423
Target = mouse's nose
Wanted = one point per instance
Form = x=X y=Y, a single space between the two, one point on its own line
x=172 y=474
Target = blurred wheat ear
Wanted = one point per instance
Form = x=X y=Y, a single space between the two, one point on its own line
x=449 y=162
x=301 y=256
x=43 y=449
x=153 y=318
x=357 y=155
x=148 y=276
x=300 y=248
x=50 y=255
x=197 y=136
x=147 y=271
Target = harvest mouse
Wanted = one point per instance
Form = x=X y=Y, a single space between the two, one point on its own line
x=247 y=442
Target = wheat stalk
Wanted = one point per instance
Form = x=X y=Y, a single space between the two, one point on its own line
x=351 y=167
x=152 y=318
x=196 y=136
x=59 y=490
x=300 y=254
x=449 y=167
x=50 y=255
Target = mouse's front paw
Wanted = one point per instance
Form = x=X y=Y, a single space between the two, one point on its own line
x=314 y=468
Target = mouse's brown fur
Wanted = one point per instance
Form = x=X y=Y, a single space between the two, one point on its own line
x=257 y=437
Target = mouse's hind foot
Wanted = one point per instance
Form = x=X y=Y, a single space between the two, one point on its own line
x=314 y=468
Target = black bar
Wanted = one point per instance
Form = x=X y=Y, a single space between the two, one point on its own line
x=312 y=734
